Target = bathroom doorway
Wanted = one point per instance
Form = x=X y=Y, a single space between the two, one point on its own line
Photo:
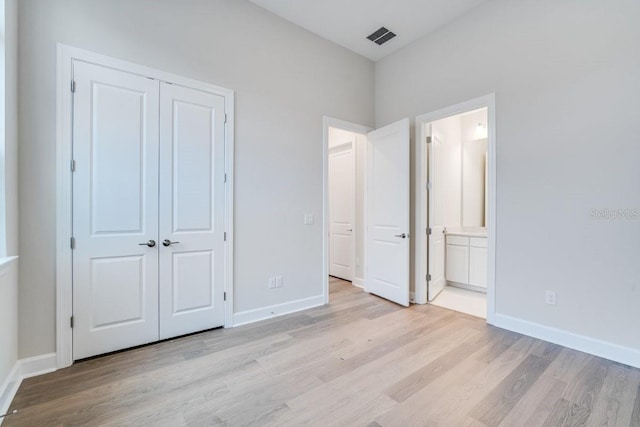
x=455 y=255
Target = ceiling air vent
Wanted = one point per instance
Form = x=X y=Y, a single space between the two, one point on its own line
x=381 y=36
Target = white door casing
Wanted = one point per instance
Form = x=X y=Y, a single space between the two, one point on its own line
x=115 y=205
x=191 y=210
x=342 y=210
x=387 y=212
x=436 y=280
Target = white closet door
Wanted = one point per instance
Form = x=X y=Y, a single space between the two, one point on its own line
x=342 y=210
x=387 y=213
x=191 y=210
x=115 y=210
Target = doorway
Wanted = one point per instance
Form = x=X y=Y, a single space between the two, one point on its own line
x=345 y=145
x=455 y=255
x=381 y=225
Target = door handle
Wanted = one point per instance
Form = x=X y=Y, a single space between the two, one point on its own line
x=402 y=236
x=167 y=242
x=349 y=229
x=150 y=243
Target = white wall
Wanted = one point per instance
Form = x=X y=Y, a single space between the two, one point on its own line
x=285 y=80
x=336 y=137
x=9 y=109
x=566 y=78
x=9 y=272
x=8 y=328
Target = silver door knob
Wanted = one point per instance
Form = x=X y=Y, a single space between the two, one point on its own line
x=167 y=242
x=150 y=243
x=402 y=236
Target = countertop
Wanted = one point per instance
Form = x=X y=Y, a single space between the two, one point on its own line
x=472 y=233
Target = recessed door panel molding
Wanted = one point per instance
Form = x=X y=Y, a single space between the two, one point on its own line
x=118 y=114
x=191 y=210
x=193 y=166
x=117 y=291
x=387 y=213
x=193 y=274
x=115 y=210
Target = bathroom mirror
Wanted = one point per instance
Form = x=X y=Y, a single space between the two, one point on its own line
x=474 y=182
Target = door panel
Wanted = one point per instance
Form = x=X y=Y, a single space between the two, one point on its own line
x=115 y=209
x=436 y=238
x=341 y=211
x=191 y=210
x=387 y=213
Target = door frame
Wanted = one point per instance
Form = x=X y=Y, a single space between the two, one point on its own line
x=489 y=102
x=64 y=191
x=328 y=122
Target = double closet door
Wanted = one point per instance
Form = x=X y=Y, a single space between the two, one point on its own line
x=148 y=210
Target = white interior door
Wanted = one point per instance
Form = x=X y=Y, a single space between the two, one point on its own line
x=191 y=210
x=387 y=213
x=435 y=237
x=341 y=210
x=115 y=210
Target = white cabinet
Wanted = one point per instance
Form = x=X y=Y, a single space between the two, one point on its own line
x=457 y=259
x=466 y=260
x=478 y=267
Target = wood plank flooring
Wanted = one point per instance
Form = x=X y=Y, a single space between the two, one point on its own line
x=360 y=361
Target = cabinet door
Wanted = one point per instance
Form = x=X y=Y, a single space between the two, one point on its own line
x=478 y=267
x=457 y=264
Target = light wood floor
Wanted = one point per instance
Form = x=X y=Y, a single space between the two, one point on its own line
x=361 y=361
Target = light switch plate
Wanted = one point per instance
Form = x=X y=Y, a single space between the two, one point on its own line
x=308 y=219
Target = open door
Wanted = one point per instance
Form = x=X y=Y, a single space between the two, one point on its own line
x=387 y=213
x=435 y=221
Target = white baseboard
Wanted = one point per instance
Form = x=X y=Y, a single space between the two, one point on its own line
x=358 y=282
x=412 y=297
x=9 y=388
x=250 y=316
x=38 y=365
x=626 y=355
x=24 y=368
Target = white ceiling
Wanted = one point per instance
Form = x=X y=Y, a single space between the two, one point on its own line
x=349 y=22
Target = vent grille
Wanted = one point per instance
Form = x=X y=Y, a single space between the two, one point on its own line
x=381 y=36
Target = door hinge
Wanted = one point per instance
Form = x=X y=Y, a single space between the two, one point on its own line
x=73 y=86
x=225 y=236
x=225 y=117
x=225 y=177
x=428 y=231
x=428 y=140
x=429 y=186
x=428 y=277
x=73 y=165
x=73 y=243
x=71 y=322
x=225 y=296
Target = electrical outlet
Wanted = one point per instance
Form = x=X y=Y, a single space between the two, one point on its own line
x=272 y=282
x=279 y=281
x=550 y=297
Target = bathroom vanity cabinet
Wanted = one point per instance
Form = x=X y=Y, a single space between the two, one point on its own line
x=466 y=261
